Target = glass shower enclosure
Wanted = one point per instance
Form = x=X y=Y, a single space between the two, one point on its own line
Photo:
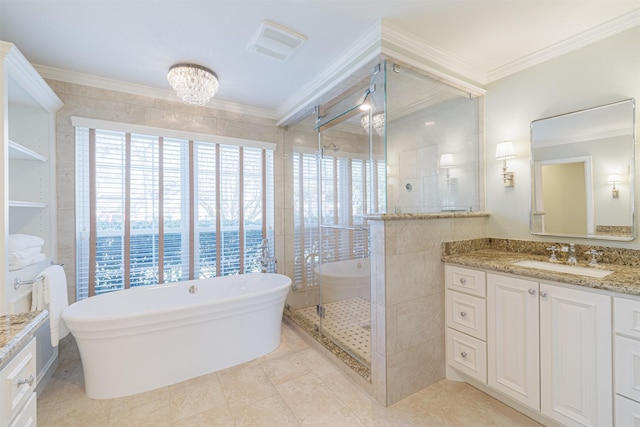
x=391 y=141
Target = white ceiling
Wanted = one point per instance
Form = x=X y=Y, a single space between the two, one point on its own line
x=136 y=41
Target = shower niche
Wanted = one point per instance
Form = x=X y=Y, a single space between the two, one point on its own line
x=390 y=140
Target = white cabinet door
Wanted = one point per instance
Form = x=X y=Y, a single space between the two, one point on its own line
x=575 y=356
x=513 y=338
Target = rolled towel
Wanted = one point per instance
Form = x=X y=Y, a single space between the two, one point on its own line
x=25 y=262
x=18 y=242
x=25 y=253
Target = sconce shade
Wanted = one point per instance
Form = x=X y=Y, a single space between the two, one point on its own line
x=446 y=161
x=505 y=150
x=613 y=179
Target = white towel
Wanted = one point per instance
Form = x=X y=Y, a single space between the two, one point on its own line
x=55 y=297
x=18 y=242
x=25 y=253
x=18 y=263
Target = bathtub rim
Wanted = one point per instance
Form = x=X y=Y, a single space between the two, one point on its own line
x=80 y=323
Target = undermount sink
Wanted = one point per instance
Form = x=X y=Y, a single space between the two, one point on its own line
x=563 y=268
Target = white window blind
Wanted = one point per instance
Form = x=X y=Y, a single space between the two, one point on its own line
x=155 y=209
x=346 y=182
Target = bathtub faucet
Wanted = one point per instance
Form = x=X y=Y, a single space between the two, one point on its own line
x=268 y=263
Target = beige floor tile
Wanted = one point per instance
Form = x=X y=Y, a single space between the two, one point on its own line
x=152 y=408
x=292 y=386
x=285 y=368
x=245 y=384
x=220 y=416
x=313 y=404
x=316 y=362
x=272 y=411
x=189 y=398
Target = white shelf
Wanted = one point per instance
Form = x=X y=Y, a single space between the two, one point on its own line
x=23 y=204
x=20 y=152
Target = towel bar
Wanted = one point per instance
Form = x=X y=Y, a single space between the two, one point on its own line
x=17 y=283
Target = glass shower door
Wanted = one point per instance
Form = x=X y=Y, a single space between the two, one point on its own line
x=350 y=186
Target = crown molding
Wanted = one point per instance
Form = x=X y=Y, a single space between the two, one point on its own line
x=23 y=74
x=585 y=38
x=398 y=43
x=142 y=90
x=361 y=52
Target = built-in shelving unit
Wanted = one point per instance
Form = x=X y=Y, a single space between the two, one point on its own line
x=28 y=203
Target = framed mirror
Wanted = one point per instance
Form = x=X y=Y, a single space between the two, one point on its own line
x=582 y=166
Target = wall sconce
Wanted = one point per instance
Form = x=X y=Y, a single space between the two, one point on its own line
x=504 y=151
x=614 y=179
x=446 y=163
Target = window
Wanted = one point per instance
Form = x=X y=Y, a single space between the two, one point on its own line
x=347 y=196
x=159 y=209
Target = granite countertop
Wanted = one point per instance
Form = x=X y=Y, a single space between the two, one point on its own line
x=625 y=278
x=16 y=330
x=424 y=215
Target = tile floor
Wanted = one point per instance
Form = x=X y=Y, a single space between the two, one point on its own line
x=347 y=321
x=293 y=386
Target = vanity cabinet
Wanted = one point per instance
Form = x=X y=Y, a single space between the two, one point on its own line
x=513 y=338
x=17 y=389
x=548 y=347
x=466 y=347
x=27 y=160
x=575 y=356
x=627 y=361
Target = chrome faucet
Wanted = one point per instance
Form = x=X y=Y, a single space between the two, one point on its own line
x=553 y=257
x=572 y=253
x=594 y=253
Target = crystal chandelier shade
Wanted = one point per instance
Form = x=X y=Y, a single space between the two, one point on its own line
x=194 y=84
x=378 y=123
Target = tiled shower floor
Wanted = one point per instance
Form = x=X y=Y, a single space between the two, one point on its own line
x=349 y=323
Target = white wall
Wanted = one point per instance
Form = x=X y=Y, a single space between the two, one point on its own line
x=601 y=73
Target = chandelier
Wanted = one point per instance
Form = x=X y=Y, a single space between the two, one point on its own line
x=378 y=123
x=194 y=84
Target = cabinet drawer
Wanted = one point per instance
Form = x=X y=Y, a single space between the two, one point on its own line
x=627 y=317
x=627 y=412
x=467 y=354
x=465 y=280
x=29 y=414
x=18 y=381
x=466 y=313
x=627 y=375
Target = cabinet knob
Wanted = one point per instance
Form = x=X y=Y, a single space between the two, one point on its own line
x=532 y=291
x=543 y=294
x=463 y=354
x=463 y=314
x=28 y=381
x=463 y=280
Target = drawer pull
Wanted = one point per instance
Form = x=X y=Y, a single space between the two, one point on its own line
x=543 y=294
x=29 y=381
x=463 y=314
x=463 y=280
x=532 y=291
x=463 y=354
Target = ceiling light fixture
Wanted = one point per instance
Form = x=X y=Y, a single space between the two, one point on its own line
x=378 y=123
x=194 y=84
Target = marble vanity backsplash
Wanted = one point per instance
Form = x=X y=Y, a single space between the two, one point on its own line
x=615 y=256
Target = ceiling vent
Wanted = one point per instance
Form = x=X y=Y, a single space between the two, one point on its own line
x=275 y=41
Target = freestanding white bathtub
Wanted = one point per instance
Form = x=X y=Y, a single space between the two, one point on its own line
x=144 y=338
x=342 y=280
